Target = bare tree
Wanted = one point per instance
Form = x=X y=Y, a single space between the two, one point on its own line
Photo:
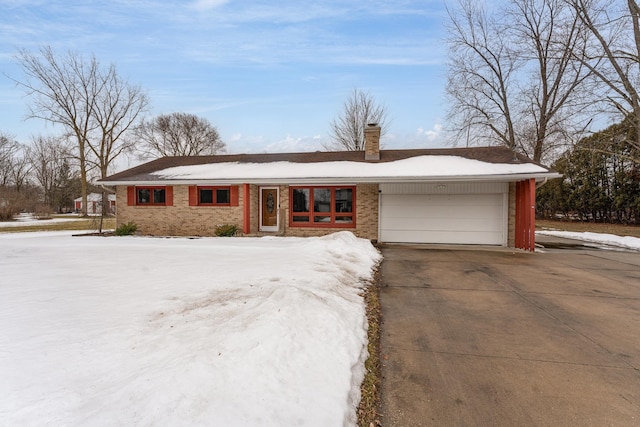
x=479 y=82
x=515 y=81
x=552 y=98
x=8 y=149
x=20 y=168
x=14 y=165
x=14 y=170
x=93 y=105
x=118 y=107
x=48 y=157
x=178 y=134
x=64 y=93
x=613 y=56
x=347 y=130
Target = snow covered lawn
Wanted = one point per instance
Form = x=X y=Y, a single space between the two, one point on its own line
x=152 y=331
x=628 y=242
x=28 y=219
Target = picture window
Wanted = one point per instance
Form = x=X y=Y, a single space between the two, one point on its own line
x=322 y=207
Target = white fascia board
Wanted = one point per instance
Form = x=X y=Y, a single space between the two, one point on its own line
x=341 y=180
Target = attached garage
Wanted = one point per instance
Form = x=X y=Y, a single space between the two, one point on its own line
x=445 y=212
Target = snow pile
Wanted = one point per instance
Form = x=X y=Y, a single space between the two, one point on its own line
x=420 y=166
x=151 y=331
x=601 y=238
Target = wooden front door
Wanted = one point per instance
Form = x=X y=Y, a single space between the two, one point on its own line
x=269 y=207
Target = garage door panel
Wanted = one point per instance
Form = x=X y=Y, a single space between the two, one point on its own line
x=443 y=218
x=440 y=199
x=434 y=212
x=441 y=224
x=448 y=237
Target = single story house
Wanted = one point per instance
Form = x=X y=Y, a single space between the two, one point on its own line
x=480 y=195
x=94 y=203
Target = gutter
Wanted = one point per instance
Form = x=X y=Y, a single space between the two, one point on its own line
x=107 y=190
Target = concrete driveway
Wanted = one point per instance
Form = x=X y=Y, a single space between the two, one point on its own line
x=489 y=337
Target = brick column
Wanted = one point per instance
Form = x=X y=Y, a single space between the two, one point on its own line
x=372 y=142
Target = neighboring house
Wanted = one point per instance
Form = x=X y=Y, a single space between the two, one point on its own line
x=482 y=195
x=94 y=203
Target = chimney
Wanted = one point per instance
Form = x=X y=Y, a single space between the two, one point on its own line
x=372 y=142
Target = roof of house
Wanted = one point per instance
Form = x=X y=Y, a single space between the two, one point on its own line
x=475 y=163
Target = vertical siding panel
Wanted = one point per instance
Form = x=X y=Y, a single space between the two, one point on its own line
x=193 y=195
x=168 y=196
x=246 y=211
x=234 y=196
x=131 y=195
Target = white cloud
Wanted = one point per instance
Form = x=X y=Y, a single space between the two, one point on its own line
x=208 y=4
x=432 y=134
x=291 y=144
x=240 y=144
x=422 y=138
x=235 y=137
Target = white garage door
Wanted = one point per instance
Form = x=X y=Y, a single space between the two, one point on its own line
x=443 y=218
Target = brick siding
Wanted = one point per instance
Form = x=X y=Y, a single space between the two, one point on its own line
x=179 y=219
x=184 y=220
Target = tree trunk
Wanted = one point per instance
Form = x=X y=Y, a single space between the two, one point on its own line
x=83 y=182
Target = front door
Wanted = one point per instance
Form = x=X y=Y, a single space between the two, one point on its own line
x=269 y=207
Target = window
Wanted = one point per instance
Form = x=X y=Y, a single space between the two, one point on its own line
x=322 y=207
x=214 y=196
x=208 y=195
x=151 y=196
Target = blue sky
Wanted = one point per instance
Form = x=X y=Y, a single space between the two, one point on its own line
x=270 y=75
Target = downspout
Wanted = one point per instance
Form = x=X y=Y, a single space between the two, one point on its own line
x=532 y=217
x=106 y=189
x=246 y=209
x=541 y=183
x=379 y=213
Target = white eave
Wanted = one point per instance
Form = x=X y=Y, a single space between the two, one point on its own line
x=540 y=176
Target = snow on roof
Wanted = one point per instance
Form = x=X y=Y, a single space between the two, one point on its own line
x=414 y=167
x=434 y=164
